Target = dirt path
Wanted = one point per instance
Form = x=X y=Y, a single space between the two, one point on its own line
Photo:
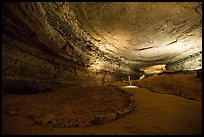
x=155 y=114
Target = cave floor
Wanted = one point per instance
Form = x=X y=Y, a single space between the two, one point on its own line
x=154 y=113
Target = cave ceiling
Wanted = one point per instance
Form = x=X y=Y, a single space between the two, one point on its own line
x=129 y=34
x=143 y=34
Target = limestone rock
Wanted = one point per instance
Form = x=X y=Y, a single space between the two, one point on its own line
x=11 y=112
x=47 y=45
x=47 y=119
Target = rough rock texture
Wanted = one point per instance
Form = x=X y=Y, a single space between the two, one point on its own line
x=192 y=62
x=144 y=34
x=47 y=45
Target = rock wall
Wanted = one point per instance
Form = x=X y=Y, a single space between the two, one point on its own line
x=52 y=44
x=193 y=62
x=43 y=48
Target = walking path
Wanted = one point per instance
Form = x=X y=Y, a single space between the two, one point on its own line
x=154 y=113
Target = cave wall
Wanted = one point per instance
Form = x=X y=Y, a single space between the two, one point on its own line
x=192 y=62
x=43 y=48
x=54 y=44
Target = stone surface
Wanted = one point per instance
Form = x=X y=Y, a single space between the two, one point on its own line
x=53 y=44
x=192 y=62
x=11 y=112
x=47 y=119
x=70 y=107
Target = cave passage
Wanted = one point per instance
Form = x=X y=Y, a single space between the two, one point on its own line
x=102 y=68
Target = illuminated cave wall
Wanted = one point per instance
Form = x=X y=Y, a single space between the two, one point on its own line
x=42 y=48
x=52 y=44
x=192 y=62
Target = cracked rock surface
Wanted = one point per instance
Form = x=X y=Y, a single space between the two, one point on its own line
x=51 y=44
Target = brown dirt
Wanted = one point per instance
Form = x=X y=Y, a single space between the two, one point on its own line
x=154 y=113
x=69 y=107
x=186 y=85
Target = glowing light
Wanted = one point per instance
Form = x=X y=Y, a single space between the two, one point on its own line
x=142 y=76
x=128 y=78
x=155 y=69
x=126 y=87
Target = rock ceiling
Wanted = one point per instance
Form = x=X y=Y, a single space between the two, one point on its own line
x=55 y=40
x=143 y=34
